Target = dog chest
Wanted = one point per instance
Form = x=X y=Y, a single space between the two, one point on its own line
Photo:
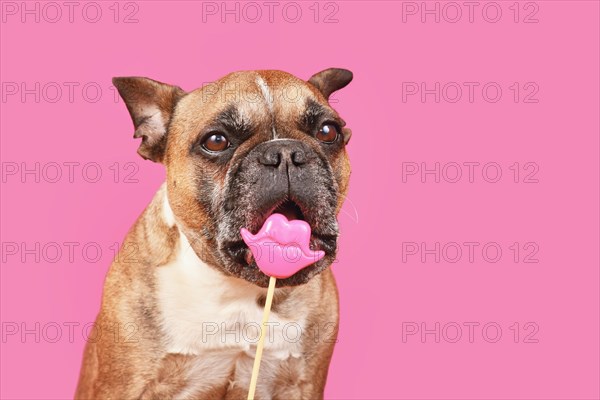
x=202 y=310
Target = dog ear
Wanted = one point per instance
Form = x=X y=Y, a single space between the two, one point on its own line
x=330 y=80
x=150 y=104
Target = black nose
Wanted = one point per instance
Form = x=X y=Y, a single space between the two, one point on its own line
x=284 y=152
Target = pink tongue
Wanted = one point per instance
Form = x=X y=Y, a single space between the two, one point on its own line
x=281 y=247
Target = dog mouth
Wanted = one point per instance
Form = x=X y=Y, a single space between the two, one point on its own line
x=292 y=210
x=288 y=208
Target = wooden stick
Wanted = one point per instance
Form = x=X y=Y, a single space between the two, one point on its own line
x=261 y=339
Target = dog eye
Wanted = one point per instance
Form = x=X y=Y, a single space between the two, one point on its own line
x=328 y=133
x=215 y=142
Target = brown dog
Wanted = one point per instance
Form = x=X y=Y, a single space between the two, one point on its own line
x=183 y=299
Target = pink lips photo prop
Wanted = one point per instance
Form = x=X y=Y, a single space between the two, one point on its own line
x=281 y=247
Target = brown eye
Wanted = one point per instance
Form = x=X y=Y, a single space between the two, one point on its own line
x=328 y=133
x=215 y=142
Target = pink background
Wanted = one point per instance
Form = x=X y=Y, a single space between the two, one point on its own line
x=381 y=296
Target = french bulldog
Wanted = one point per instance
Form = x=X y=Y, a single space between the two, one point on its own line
x=183 y=299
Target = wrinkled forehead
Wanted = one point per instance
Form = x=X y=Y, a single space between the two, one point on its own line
x=254 y=96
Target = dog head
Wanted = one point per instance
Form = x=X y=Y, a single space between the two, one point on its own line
x=241 y=148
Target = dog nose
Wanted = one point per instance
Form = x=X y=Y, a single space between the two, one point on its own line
x=277 y=152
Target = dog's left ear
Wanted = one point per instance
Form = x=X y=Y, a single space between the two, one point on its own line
x=150 y=104
x=330 y=80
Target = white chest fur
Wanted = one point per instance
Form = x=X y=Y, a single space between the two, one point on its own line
x=204 y=310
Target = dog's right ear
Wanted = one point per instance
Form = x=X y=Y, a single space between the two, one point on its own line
x=150 y=104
